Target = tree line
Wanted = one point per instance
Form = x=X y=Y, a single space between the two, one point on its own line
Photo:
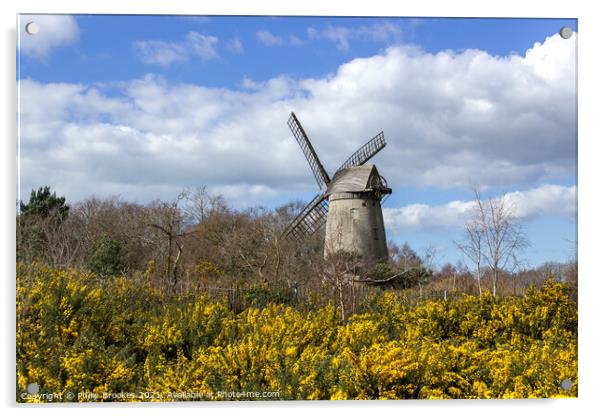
x=198 y=242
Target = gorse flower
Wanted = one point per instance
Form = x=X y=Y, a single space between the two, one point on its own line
x=84 y=333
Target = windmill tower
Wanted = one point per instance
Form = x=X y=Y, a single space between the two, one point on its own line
x=349 y=203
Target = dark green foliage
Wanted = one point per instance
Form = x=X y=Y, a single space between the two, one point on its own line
x=106 y=256
x=418 y=276
x=38 y=220
x=45 y=204
x=382 y=271
x=260 y=297
x=388 y=276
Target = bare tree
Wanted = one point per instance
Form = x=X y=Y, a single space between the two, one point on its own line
x=45 y=239
x=494 y=237
x=340 y=271
x=430 y=256
x=447 y=277
x=472 y=247
x=167 y=219
x=199 y=203
x=404 y=257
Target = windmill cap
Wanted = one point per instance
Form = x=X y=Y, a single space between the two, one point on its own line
x=364 y=178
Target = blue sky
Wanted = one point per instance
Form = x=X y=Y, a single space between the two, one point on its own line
x=143 y=106
x=105 y=49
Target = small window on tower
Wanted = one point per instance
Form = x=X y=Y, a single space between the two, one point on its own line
x=375 y=230
x=354 y=213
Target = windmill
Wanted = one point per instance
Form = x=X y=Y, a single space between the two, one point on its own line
x=349 y=203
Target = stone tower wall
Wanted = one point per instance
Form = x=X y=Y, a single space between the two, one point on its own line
x=355 y=223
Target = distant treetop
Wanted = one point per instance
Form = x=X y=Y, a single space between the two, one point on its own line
x=44 y=204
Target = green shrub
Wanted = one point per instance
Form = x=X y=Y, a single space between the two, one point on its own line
x=106 y=256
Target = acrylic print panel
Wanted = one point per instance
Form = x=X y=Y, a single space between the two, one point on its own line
x=410 y=233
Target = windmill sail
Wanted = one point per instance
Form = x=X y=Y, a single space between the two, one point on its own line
x=311 y=218
x=364 y=153
x=310 y=154
x=348 y=207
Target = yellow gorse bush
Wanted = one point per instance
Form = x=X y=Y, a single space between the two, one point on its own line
x=79 y=333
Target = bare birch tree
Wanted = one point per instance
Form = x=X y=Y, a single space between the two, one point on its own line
x=199 y=203
x=472 y=247
x=494 y=237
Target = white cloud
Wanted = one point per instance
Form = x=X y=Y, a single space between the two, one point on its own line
x=268 y=38
x=341 y=35
x=245 y=195
x=161 y=53
x=202 y=45
x=166 y=53
x=54 y=31
x=235 y=45
x=450 y=119
x=544 y=200
x=295 y=40
x=417 y=216
x=337 y=34
x=382 y=32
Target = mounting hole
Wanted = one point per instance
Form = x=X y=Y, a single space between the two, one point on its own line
x=32 y=28
x=32 y=388
x=566 y=384
x=566 y=32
